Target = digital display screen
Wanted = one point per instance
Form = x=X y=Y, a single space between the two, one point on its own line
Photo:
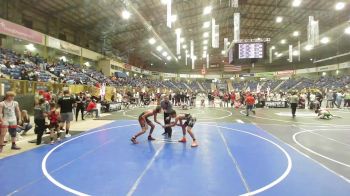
x=251 y=50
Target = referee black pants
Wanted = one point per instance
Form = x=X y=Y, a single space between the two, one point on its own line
x=294 y=108
x=167 y=120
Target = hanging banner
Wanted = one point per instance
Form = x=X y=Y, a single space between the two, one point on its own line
x=192 y=54
x=168 y=16
x=213 y=29
x=285 y=73
x=234 y=3
x=236 y=27
x=344 y=65
x=186 y=58
x=327 y=68
x=21 y=32
x=145 y=72
x=63 y=46
x=265 y=74
x=216 y=38
x=226 y=46
x=290 y=53
x=307 y=70
x=127 y=66
x=208 y=61
x=313 y=32
x=135 y=69
x=178 y=42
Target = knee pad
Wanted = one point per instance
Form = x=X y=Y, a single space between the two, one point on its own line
x=12 y=131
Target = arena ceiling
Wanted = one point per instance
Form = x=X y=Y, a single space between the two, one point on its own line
x=103 y=20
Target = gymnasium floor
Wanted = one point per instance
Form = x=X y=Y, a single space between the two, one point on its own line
x=266 y=154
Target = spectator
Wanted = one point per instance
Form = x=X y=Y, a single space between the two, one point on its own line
x=66 y=104
x=25 y=126
x=39 y=119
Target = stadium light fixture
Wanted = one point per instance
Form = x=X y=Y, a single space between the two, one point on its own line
x=206 y=24
x=205 y=42
x=223 y=52
x=273 y=47
x=165 y=54
x=205 y=47
x=283 y=41
x=296 y=33
x=30 y=47
x=168 y=58
x=159 y=48
x=152 y=41
x=126 y=14
x=184 y=46
x=324 y=40
x=178 y=30
x=339 y=6
x=279 y=19
x=308 y=47
x=207 y=10
x=206 y=34
x=347 y=30
x=296 y=3
x=173 y=18
x=182 y=40
x=295 y=53
x=164 y=2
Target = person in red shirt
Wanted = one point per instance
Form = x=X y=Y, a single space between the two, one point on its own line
x=250 y=102
x=233 y=98
x=92 y=107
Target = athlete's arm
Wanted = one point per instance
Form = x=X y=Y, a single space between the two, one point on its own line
x=18 y=114
x=172 y=124
x=155 y=118
x=1 y=113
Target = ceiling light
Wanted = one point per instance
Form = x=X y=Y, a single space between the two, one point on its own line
x=296 y=3
x=152 y=41
x=159 y=48
x=223 y=52
x=308 y=47
x=324 y=40
x=206 y=24
x=339 y=6
x=204 y=55
x=206 y=34
x=178 y=30
x=205 y=42
x=205 y=47
x=179 y=57
x=295 y=53
x=30 y=47
x=165 y=54
x=182 y=40
x=296 y=33
x=168 y=58
x=173 y=18
x=184 y=46
x=276 y=53
x=207 y=10
x=347 y=30
x=279 y=19
x=164 y=2
x=126 y=14
x=283 y=41
x=273 y=47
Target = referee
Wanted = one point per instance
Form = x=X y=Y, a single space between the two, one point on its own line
x=294 y=100
x=167 y=107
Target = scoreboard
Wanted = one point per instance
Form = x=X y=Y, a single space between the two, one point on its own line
x=250 y=50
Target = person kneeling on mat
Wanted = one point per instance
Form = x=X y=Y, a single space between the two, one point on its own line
x=189 y=123
x=324 y=114
x=144 y=121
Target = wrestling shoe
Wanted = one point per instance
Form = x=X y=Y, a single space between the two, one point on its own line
x=15 y=147
x=133 y=140
x=150 y=138
x=194 y=144
x=183 y=140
